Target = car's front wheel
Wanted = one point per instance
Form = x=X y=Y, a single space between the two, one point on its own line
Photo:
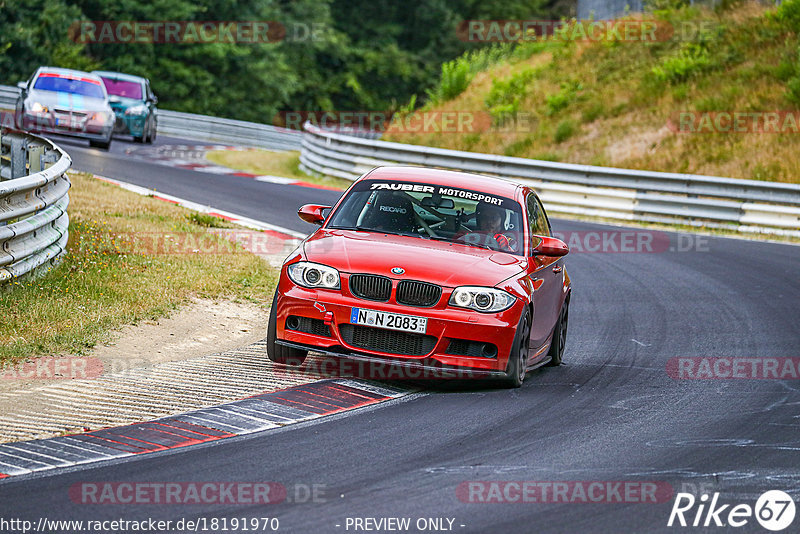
x=518 y=358
x=279 y=353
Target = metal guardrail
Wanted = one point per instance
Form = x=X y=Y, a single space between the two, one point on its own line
x=33 y=203
x=203 y=128
x=621 y=194
x=8 y=96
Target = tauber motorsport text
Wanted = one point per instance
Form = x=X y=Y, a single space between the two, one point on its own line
x=774 y=510
x=420 y=188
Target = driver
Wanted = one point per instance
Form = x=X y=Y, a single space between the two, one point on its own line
x=489 y=220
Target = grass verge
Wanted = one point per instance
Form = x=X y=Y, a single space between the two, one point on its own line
x=286 y=164
x=117 y=273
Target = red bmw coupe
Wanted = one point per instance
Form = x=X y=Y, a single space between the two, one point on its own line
x=429 y=270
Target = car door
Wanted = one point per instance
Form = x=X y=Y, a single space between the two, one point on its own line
x=546 y=275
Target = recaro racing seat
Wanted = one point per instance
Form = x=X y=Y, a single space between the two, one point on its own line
x=391 y=212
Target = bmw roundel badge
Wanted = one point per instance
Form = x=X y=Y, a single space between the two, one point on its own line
x=398 y=270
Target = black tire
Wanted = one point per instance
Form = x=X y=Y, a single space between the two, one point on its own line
x=152 y=136
x=559 y=337
x=279 y=353
x=139 y=139
x=516 y=369
x=100 y=144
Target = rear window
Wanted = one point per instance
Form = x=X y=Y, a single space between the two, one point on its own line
x=123 y=88
x=66 y=84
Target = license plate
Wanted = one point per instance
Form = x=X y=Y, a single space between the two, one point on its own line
x=392 y=321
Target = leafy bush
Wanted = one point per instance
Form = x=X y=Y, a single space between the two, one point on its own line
x=455 y=79
x=691 y=59
x=505 y=95
x=457 y=74
x=558 y=101
x=788 y=15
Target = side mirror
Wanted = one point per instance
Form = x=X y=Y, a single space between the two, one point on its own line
x=153 y=99
x=22 y=85
x=312 y=213
x=550 y=246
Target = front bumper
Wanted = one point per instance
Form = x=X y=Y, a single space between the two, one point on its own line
x=83 y=128
x=130 y=124
x=447 y=328
x=413 y=369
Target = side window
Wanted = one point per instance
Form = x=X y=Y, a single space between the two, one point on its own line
x=537 y=220
x=543 y=222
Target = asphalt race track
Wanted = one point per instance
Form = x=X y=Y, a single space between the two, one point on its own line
x=611 y=413
x=262 y=201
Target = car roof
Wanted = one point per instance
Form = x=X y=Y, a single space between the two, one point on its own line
x=461 y=180
x=118 y=76
x=69 y=72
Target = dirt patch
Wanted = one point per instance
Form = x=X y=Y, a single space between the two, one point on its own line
x=199 y=328
x=635 y=145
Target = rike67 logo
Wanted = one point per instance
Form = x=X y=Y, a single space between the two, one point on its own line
x=774 y=510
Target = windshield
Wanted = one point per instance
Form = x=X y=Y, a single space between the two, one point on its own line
x=123 y=88
x=431 y=211
x=67 y=84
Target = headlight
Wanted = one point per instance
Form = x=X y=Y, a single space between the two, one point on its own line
x=309 y=274
x=36 y=107
x=100 y=116
x=482 y=299
x=136 y=110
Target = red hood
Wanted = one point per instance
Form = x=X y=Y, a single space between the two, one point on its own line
x=438 y=262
